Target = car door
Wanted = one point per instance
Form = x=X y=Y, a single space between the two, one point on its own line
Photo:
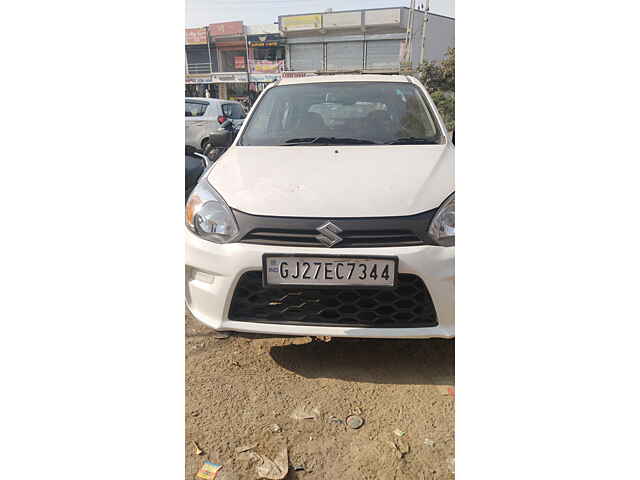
x=190 y=108
x=187 y=124
x=196 y=124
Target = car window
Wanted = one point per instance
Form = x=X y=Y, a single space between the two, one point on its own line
x=193 y=109
x=233 y=111
x=368 y=112
x=336 y=114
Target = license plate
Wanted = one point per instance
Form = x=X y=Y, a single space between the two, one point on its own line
x=326 y=271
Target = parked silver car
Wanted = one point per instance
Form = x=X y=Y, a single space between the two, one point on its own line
x=204 y=115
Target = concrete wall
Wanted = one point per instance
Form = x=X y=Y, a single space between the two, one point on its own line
x=440 y=36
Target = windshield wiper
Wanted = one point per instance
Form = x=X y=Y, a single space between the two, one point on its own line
x=413 y=141
x=300 y=141
x=327 y=141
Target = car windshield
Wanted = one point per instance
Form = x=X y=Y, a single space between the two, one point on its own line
x=233 y=111
x=345 y=113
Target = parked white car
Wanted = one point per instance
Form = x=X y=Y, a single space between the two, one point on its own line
x=204 y=115
x=331 y=214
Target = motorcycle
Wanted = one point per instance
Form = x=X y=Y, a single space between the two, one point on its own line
x=221 y=139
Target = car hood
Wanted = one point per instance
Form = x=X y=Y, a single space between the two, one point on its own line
x=335 y=181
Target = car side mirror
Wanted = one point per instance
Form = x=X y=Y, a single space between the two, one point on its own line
x=453 y=136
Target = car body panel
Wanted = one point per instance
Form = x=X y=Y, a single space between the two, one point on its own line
x=314 y=181
x=195 y=165
x=372 y=77
x=197 y=129
x=319 y=181
x=213 y=271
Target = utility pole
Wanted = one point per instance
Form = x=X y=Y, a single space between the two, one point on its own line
x=209 y=51
x=424 y=31
x=409 y=34
x=246 y=46
x=409 y=41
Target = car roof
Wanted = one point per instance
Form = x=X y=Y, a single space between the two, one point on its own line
x=209 y=100
x=345 y=78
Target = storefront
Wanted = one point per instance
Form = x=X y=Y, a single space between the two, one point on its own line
x=383 y=54
x=201 y=86
x=266 y=53
x=231 y=46
x=345 y=53
x=266 y=61
x=379 y=40
x=230 y=61
x=231 y=85
x=233 y=56
x=200 y=54
x=237 y=91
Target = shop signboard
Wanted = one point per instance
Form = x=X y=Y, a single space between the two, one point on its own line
x=196 y=80
x=235 y=43
x=196 y=36
x=264 y=77
x=297 y=74
x=268 y=40
x=266 y=66
x=226 y=29
x=301 y=22
x=274 y=43
x=229 y=77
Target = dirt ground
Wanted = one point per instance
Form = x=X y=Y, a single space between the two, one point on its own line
x=239 y=390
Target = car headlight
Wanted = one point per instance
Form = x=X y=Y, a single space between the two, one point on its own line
x=443 y=226
x=209 y=216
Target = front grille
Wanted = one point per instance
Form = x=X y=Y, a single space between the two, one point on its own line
x=408 y=305
x=307 y=238
x=354 y=232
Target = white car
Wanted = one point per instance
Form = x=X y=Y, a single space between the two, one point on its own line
x=331 y=214
x=204 y=115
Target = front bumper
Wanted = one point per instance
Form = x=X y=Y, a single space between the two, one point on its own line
x=213 y=270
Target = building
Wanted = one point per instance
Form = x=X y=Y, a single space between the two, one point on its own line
x=266 y=53
x=216 y=60
x=236 y=61
x=440 y=37
x=381 y=40
x=232 y=60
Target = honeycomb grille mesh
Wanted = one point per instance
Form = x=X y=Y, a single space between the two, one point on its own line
x=408 y=305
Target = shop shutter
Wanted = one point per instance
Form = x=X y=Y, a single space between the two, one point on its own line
x=344 y=55
x=198 y=59
x=383 y=54
x=306 y=57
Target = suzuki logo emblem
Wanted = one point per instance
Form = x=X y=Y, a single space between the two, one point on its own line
x=329 y=234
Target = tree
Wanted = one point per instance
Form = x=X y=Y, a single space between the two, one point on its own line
x=439 y=79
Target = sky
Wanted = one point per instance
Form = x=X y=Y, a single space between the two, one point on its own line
x=255 y=12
